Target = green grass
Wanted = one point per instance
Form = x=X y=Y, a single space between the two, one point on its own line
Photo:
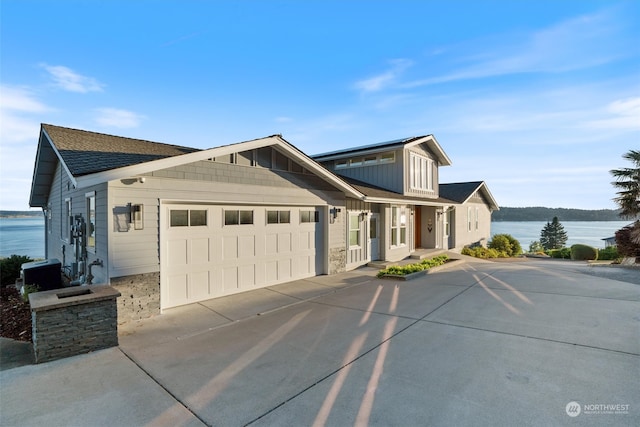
x=425 y=264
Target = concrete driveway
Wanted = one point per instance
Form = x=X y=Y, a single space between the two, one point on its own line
x=483 y=343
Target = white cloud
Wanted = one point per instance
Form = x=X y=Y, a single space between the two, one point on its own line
x=622 y=114
x=20 y=99
x=16 y=106
x=113 y=117
x=381 y=81
x=578 y=43
x=67 y=79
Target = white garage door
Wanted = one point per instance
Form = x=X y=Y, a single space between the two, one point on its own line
x=209 y=251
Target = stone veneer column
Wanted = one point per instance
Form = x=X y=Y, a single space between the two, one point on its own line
x=71 y=321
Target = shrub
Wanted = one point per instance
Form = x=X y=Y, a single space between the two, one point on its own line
x=425 y=264
x=29 y=289
x=505 y=243
x=581 y=252
x=535 y=247
x=10 y=269
x=562 y=253
x=484 y=253
x=627 y=243
x=609 y=253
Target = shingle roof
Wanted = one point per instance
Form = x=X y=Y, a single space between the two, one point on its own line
x=87 y=152
x=459 y=191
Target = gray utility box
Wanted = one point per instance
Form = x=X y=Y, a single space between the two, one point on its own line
x=44 y=274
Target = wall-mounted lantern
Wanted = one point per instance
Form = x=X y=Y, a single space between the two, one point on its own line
x=136 y=216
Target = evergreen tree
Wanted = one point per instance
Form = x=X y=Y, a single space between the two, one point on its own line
x=628 y=182
x=553 y=235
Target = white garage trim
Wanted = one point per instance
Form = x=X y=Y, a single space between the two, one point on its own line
x=212 y=250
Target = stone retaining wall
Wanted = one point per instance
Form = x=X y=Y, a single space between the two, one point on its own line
x=71 y=321
x=140 y=296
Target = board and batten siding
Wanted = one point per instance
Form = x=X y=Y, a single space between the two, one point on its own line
x=137 y=251
x=388 y=176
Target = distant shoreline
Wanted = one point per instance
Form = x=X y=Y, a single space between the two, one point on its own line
x=20 y=214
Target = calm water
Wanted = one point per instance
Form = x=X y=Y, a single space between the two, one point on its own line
x=25 y=236
x=22 y=236
x=586 y=232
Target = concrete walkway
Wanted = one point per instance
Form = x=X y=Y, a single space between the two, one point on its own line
x=482 y=343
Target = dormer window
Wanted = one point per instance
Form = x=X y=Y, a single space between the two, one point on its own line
x=421 y=172
x=369 y=160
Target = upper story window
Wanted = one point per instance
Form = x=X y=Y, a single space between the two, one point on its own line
x=368 y=160
x=420 y=172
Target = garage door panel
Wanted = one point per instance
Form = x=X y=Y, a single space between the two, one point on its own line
x=199 y=251
x=199 y=285
x=271 y=271
x=247 y=276
x=177 y=252
x=304 y=265
x=284 y=269
x=246 y=247
x=216 y=259
x=230 y=279
x=284 y=243
x=177 y=287
x=230 y=247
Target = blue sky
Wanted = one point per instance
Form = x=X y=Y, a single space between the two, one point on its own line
x=540 y=99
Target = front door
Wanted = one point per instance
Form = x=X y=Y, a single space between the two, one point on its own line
x=374 y=240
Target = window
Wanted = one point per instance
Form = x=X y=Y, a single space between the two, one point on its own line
x=186 y=217
x=354 y=229
x=421 y=172
x=309 y=216
x=197 y=218
x=477 y=220
x=278 y=217
x=398 y=226
x=388 y=157
x=91 y=221
x=469 y=218
x=238 y=217
x=67 y=221
x=341 y=164
x=369 y=160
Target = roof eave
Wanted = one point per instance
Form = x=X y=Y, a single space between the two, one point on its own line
x=434 y=146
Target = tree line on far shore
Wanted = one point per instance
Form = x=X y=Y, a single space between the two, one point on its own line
x=563 y=214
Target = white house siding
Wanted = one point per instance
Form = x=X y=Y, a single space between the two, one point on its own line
x=465 y=236
x=62 y=189
x=135 y=252
x=392 y=252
